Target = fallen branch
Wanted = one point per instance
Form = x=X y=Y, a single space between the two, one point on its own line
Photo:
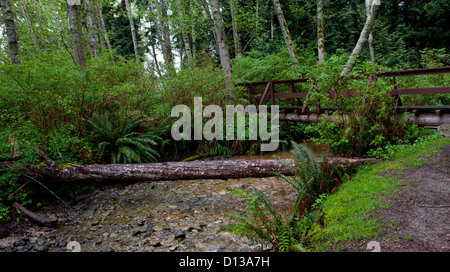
x=49 y=222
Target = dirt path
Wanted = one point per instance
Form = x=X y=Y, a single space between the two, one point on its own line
x=418 y=218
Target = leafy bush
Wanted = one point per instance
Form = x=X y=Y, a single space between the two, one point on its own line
x=363 y=119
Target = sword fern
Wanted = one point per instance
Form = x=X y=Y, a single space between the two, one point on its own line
x=119 y=138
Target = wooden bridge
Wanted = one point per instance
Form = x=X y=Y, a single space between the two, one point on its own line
x=428 y=116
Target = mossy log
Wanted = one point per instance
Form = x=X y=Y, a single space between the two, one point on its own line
x=228 y=169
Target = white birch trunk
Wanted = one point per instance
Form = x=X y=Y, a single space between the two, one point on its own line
x=362 y=38
x=370 y=39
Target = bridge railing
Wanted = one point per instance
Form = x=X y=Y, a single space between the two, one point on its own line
x=270 y=93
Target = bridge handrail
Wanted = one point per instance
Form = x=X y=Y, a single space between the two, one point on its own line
x=270 y=85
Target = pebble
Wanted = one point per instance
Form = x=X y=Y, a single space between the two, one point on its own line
x=173 y=216
x=180 y=235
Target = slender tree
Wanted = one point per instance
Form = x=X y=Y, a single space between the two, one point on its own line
x=10 y=26
x=76 y=33
x=370 y=39
x=285 y=30
x=166 y=33
x=184 y=33
x=31 y=27
x=101 y=22
x=133 y=31
x=166 y=47
x=320 y=32
x=224 y=54
x=92 y=27
x=237 y=44
x=370 y=20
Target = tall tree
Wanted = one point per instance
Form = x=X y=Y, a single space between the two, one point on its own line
x=163 y=33
x=101 y=23
x=224 y=54
x=31 y=27
x=320 y=32
x=166 y=33
x=370 y=20
x=285 y=30
x=237 y=44
x=184 y=33
x=10 y=26
x=92 y=27
x=370 y=39
x=76 y=33
x=41 y=24
x=133 y=31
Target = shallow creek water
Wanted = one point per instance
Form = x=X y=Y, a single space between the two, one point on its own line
x=184 y=215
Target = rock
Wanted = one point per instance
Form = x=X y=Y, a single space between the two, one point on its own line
x=445 y=130
x=41 y=248
x=180 y=235
x=107 y=249
x=19 y=242
x=40 y=242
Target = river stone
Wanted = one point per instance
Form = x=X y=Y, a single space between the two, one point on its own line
x=20 y=242
x=41 y=248
x=180 y=235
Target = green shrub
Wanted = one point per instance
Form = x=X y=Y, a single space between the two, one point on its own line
x=120 y=139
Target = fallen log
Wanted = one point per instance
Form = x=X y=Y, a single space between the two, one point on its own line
x=172 y=170
x=48 y=222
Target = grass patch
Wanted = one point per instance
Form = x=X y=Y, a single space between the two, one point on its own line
x=348 y=212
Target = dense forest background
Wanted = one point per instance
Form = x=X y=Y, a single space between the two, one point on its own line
x=94 y=81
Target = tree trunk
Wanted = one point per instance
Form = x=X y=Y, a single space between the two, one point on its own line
x=102 y=25
x=10 y=26
x=320 y=32
x=92 y=28
x=170 y=171
x=41 y=24
x=76 y=34
x=285 y=30
x=133 y=31
x=184 y=33
x=370 y=39
x=224 y=54
x=166 y=34
x=159 y=26
x=31 y=26
x=362 y=38
x=237 y=44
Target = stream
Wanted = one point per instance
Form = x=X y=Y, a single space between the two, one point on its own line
x=166 y=216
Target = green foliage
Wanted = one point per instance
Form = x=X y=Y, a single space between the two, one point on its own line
x=263 y=223
x=363 y=119
x=120 y=139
